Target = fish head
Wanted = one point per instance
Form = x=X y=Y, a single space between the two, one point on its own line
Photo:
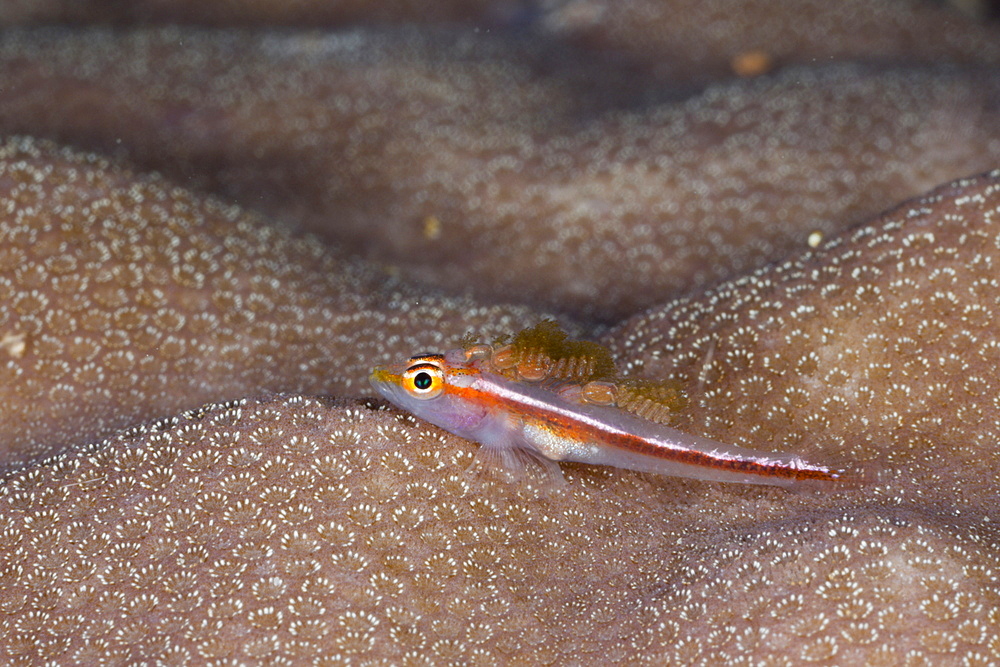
x=412 y=383
x=430 y=386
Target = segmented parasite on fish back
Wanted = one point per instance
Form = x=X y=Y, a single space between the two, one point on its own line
x=547 y=398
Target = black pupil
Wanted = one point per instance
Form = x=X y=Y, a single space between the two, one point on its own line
x=422 y=380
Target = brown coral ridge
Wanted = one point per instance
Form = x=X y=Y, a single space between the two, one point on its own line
x=123 y=298
x=468 y=155
x=696 y=41
x=678 y=41
x=306 y=13
x=881 y=344
x=281 y=529
x=290 y=529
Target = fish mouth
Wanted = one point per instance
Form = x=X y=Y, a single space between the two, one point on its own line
x=384 y=381
x=381 y=374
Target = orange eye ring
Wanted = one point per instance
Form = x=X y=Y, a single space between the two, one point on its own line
x=423 y=380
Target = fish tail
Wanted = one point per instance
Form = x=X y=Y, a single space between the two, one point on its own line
x=843 y=475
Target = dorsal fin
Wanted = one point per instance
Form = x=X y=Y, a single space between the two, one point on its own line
x=650 y=399
x=582 y=371
x=545 y=352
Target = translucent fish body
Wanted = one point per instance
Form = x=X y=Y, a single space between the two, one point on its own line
x=463 y=393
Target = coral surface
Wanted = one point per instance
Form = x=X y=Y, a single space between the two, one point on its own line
x=127 y=298
x=469 y=154
x=329 y=201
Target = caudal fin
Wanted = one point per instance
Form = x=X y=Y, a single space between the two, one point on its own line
x=847 y=475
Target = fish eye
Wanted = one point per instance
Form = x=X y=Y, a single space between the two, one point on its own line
x=423 y=380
